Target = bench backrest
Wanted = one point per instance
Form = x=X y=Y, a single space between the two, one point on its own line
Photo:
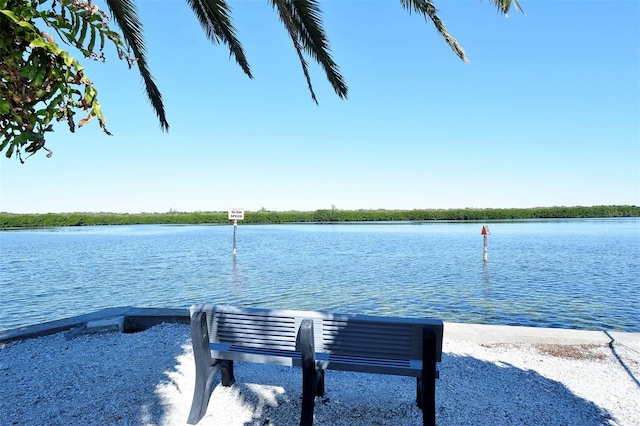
x=380 y=337
x=348 y=336
x=253 y=329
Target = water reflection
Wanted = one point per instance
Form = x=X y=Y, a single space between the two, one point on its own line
x=235 y=274
x=485 y=275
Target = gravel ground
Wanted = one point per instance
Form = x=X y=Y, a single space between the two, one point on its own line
x=146 y=378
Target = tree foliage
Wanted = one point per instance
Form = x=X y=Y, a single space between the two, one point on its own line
x=42 y=83
x=263 y=216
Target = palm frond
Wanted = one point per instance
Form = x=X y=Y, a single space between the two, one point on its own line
x=504 y=6
x=303 y=22
x=287 y=19
x=428 y=10
x=306 y=14
x=215 y=20
x=125 y=14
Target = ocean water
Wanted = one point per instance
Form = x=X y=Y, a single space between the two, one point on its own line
x=574 y=273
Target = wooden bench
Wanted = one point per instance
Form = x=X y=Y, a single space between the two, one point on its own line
x=316 y=342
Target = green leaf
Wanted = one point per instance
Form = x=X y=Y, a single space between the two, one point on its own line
x=83 y=33
x=53 y=105
x=39 y=42
x=74 y=21
x=11 y=15
x=4 y=107
x=22 y=138
x=43 y=113
x=68 y=59
x=92 y=41
x=97 y=110
x=39 y=76
x=89 y=94
x=17 y=20
x=74 y=32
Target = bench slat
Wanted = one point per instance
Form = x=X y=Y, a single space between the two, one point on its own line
x=257 y=355
x=254 y=322
x=380 y=340
x=370 y=365
x=253 y=330
x=392 y=363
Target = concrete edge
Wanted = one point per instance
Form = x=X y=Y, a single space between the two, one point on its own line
x=124 y=319
x=509 y=334
x=129 y=319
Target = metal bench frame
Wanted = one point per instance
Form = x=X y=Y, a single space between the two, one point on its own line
x=316 y=342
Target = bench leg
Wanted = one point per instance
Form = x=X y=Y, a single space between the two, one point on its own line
x=320 y=383
x=206 y=367
x=426 y=385
x=226 y=371
x=312 y=379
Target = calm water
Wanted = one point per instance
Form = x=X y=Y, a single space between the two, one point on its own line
x=563 y=273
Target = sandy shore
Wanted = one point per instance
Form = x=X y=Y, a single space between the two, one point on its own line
x=489 y=376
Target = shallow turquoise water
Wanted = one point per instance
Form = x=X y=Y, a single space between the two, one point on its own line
x=556 y=273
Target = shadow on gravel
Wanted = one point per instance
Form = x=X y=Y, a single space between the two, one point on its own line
x=99 y=379
x=623 y=364
x=114 y=379
x=473 y=392
x=470 y=392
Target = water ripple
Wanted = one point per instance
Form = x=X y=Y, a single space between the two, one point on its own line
x=571 y=274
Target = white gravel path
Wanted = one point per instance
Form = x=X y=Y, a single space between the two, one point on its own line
x=147 y=378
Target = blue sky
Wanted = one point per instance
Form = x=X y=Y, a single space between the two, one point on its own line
x=547 y=113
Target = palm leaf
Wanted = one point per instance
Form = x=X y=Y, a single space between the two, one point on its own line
x=505 y=5
x=125 y=14
x=215 y=20
x=428 y=10
x=306 y=14
x=286 y=17
x=302 y=21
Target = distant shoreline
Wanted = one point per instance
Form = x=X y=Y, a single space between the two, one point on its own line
x=263 y=216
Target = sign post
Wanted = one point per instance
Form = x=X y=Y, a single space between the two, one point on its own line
x=235 y=214
x=485 y=252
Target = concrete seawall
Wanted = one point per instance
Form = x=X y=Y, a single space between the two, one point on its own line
x=129 y=319
x=125 y=319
